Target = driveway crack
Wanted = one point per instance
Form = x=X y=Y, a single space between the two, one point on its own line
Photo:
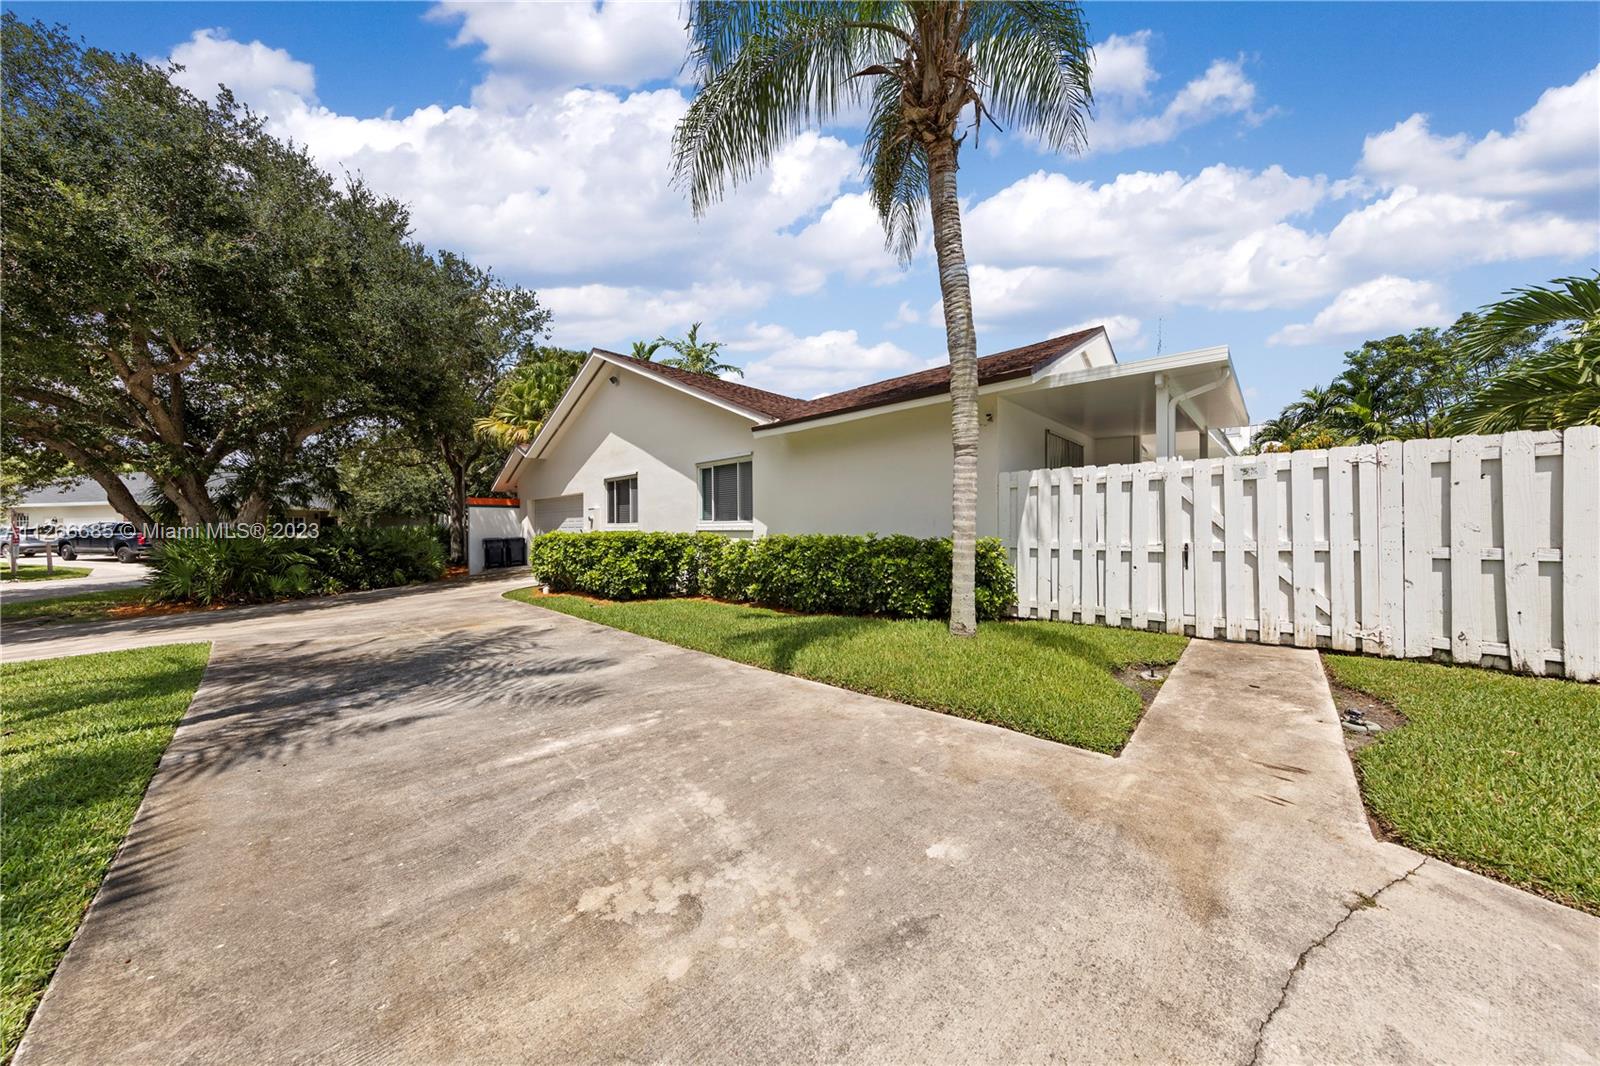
x=1363 y=901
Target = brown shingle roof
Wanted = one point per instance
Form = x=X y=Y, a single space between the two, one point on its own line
x=771 y=404
x=1017 y=362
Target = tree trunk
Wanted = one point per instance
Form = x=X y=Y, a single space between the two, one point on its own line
x=458 y=506
x=962 y=343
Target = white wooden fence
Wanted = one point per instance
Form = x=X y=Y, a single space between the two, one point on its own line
x=1485 y=550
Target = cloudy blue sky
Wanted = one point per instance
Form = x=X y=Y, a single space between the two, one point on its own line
x=1284 y=179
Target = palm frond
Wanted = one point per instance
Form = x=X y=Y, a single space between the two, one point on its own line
x=790 y=69
x=897 y=168
x=1033 y=59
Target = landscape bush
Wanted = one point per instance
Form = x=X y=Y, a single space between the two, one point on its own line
x=209 y=570
x=893 y=576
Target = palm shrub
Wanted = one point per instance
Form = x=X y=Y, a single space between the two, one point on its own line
x=212 y=570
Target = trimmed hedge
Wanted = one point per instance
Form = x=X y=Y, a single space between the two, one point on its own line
x=894 y=576
x=207 y=570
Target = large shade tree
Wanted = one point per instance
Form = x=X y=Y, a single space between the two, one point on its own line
x=929 y=74
x=184 y=294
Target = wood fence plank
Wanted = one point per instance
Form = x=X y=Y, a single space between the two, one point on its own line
x=1368 y=618
x=1071 y=535
x=1203 y=555
x=1047 y=536
x=1089 y=564
x=1302 y=552
x=1116 y=533
x=1580 y=553
x=1517 y=552
x=1268 y=538
x=1342 y=549
x=1235 y=584
x=1467 y=541
x=1172 y=542
x=1391 y=549
x=1421 y=526
x=1139 y=547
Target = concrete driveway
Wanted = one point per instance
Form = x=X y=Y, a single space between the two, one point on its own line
x=438 y=826
x=104 y=575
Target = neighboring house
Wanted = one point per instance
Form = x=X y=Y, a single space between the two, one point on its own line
x=74 y=503
x=638 y=445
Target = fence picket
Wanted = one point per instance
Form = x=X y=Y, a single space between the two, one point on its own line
x=1580 y=553
x=1342 y=516
x=1204 y=552
x=1069 y=534
x=1421 y=536
x=1235 y=584
x=1302 y=552
x=1391 y=549
x=1268 y=559
x=1517 y=550
x=1139 y=548
x=1116 y=531
x=1467 y=505
x=1368 y=617
x=1088 y=565
x=1172 y=541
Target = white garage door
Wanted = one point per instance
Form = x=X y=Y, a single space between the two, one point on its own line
x=558 y=513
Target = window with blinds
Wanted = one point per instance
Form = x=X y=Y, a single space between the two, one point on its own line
x=1060 y=451
x=622 y=501
x=726 y=492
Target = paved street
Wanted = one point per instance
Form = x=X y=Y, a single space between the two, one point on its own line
x=433 y=825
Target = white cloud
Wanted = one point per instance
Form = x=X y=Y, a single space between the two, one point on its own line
x=545 y=46
x=1121 y=68
x=1125 y=331
x=614 y=316
x=1553 y=149
x=268 y=79
x=1385 y=305
x=823 y=363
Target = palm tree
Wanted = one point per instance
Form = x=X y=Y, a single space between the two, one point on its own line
x=1556 y=388
x=695 y=355
x=767 y=70
x=645 y=351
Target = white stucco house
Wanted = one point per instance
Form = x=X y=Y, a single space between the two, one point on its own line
x=637 y=445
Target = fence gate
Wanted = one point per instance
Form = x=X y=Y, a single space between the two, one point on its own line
x=1484 y=549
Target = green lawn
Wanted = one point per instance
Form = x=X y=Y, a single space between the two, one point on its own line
x=1493 y=771
x=37 y=572
x=79 y=739
x=79 y=607
x=1050 y=679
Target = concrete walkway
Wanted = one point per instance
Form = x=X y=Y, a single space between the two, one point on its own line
x=438 y=826
x=103 y=576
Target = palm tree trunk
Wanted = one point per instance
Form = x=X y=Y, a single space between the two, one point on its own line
x=962 y=343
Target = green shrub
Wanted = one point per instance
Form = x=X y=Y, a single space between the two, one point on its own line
x=896 y=576
x=207 y=570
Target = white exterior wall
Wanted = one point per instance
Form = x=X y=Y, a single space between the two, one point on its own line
x=889 y=472
x=489 y=523
x=641 y=427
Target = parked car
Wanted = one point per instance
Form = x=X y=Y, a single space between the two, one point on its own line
x=113 y=538
x=33 y=541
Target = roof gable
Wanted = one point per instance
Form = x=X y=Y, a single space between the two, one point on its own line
x=759 y=401
x=1002 y=366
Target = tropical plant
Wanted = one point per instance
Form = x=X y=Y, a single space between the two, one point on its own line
x=645 y=351
x=695 y=355
x=768 y=70
x=1552 y=389
x=527 y=396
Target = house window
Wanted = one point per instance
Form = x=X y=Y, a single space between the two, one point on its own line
x=1059 y=451
x=622 y=501
x=726 y=492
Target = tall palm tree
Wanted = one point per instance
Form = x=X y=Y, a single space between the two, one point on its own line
x=697 y=356
x=768 y=70
x=1556 y=388
x=527 y=395
x=646 y=350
